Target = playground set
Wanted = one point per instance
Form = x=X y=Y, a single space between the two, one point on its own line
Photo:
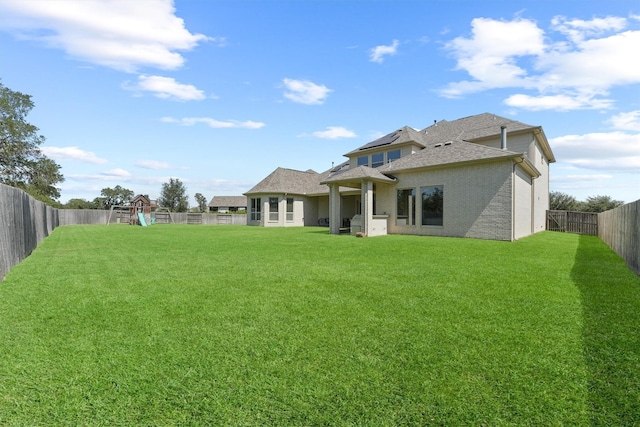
x=141 y=211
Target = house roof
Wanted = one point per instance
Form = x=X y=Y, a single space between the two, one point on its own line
x=481 y=126
x=448 y=154
x=353 y=177
x=401 y=136
x=227 y=201
x=444 y=144
x=283 y=180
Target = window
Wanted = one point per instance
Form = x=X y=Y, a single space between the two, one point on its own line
x=363 y=161
x=406 y=207
x=273 y=209
x=256 y=208
x=432 y=204
x=377 y=160
x=393 y=155
x=289 y=208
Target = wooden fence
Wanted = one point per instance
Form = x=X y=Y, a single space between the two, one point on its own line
x=573 y=222
x=620 y=229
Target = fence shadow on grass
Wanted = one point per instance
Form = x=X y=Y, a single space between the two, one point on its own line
x=611 y=303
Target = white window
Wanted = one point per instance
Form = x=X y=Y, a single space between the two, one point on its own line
x=273 y=209
x=289 y=208
x=256 y=208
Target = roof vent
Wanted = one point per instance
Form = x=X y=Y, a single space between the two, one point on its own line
x=447 y=143
x=438 y=145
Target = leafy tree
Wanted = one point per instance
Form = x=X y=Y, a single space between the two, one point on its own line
x=114 y=196
x=202 y=202
x=81 y=204
x=22 y=164
x=600 y=204
x=563 y=202
x=174 y=196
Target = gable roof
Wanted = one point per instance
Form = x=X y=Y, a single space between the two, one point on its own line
x=448 y=153
x=471 y=128
x=403 y=135
x=227 y=201
x=485 y=125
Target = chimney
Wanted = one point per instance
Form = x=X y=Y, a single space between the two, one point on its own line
x=503 y=137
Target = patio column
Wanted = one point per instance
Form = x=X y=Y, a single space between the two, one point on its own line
x=334 y=209
x=367 y=205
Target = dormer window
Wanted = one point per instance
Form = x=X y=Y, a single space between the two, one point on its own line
x=363 y=161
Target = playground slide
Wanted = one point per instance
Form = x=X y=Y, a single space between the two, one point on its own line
x=141 y=219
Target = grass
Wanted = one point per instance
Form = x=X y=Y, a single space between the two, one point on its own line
x=198 y=325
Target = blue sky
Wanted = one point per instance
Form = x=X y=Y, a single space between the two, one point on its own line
x=220 y=93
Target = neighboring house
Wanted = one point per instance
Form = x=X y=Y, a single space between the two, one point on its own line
x=226 y=204
x=481 y=176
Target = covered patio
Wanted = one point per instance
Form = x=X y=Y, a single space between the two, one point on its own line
x=363 y=178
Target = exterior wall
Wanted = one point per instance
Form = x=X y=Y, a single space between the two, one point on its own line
x=477 y=201
x=540 y=189
x=522 y=198
x=528 y=144
x=300 y=211
x=518 y=143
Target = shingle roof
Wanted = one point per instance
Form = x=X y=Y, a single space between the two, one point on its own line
x=403 y=135
x=290 y=181
x=471 y=128
x=447 y=153
x=354 y=176
x=226 y=201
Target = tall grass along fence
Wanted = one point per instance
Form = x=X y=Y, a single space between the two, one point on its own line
x=24 y=223
x=573 y=222
x=620 y=229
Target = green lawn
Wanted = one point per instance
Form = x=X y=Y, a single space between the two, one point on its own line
x=225 y=325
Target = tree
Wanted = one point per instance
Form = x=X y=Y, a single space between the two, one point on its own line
x=202 y=202
x=22 y=164
x=114 y=196
x=563 y=202
x=174 y=196
x=81 y=204
x=600 y=204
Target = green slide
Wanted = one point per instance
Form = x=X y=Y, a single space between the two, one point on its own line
x=141 y=219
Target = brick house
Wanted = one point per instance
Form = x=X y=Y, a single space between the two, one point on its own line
x=482 y=176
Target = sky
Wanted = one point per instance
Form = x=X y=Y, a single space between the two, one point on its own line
x=220 y=93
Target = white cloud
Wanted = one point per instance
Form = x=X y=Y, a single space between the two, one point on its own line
x=575 y=71
x=378 y=53
x=577 y=29
x=119 y=173
x=335 y=132
x=626 y=121
x=217 y=124
x=560 y=102
x=71 y=153
x=153 y=164
x=120 y=34
x=167 y=88
x=600 y=151
x=305 y=91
